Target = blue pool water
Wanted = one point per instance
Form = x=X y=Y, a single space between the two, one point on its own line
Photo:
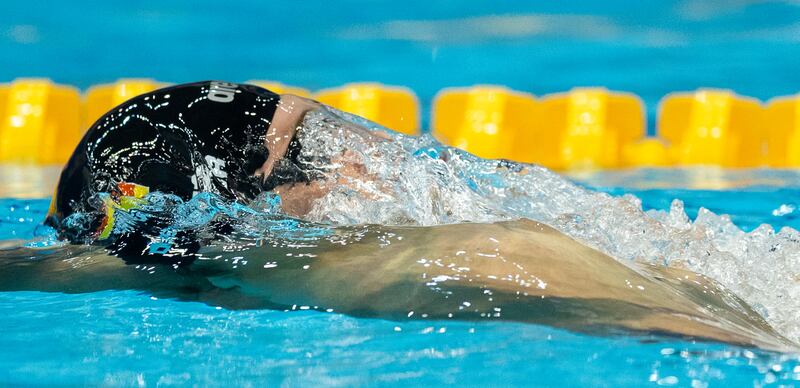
x=132 y=338
x=125 y=338
x=650 y=47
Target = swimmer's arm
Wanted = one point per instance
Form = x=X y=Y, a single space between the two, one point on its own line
x=286 y=121
x=297 y=199
x=528 y=271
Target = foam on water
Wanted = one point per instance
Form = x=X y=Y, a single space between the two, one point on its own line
x=417 y=181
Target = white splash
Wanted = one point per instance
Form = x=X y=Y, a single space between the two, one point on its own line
x=417 y=181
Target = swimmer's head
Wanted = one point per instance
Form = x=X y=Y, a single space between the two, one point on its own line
x=181 y=165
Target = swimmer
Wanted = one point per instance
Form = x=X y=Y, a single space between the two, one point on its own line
x=233 y=140
x=239 y=141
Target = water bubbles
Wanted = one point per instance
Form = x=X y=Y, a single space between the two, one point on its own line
x=416 y=181
x=669 y=380
x=783 y=210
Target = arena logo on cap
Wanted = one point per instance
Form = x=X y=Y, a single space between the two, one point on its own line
x=222 y=91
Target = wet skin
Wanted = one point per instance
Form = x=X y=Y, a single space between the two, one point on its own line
x=297 y=198
x=518 y=271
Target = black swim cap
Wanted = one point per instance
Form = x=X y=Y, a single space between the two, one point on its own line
x=201 y=137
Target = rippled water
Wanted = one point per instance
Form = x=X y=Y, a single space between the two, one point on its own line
x=128 y=337
x=416 y=181
x=401 y=181
x=125 y=338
